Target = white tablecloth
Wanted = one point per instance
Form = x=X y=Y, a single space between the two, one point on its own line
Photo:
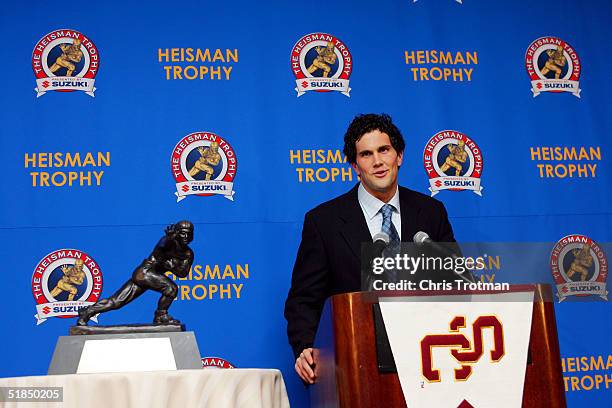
x=210 y=388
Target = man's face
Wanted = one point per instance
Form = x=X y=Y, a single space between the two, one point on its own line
x=377 y=164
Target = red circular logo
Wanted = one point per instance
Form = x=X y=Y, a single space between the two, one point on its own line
x=453 y=161
x=203 y=164
x=64 y=281
x=321 y=62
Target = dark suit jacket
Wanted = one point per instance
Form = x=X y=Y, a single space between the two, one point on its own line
x=328 y=259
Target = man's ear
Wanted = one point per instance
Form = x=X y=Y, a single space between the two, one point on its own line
x=354 y=166
x=400 y=158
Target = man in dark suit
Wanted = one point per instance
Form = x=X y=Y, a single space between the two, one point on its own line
x=328 y=259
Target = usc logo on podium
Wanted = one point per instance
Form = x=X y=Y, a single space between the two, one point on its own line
x=466 y=352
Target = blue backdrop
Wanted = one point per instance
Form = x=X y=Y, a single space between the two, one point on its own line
x=433 y=65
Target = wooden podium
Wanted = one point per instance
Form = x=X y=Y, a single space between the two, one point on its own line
x=346 y=358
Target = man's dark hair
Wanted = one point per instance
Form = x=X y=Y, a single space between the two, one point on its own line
x=366 y=123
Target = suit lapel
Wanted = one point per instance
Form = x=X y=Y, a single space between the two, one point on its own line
x=354 y=228
x=410 y=215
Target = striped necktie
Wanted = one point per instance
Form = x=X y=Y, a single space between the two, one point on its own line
x=387 y=225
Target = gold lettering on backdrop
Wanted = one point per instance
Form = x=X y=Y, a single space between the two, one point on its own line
x=83 y=169
x=587 y=373
x=320 y=166
x=566 y=161
x=439 y=65
x=212 y=282
x=197 y=63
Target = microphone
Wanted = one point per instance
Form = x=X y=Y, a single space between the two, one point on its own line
x=381 y=240
x=422 y=237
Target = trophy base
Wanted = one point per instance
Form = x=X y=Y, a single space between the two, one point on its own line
x=126 y=328
x=124 y=352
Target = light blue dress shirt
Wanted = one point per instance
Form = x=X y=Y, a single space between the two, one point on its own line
x=371 y=206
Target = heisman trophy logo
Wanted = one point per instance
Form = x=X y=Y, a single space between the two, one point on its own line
x=204 y=164
x=580 y=267
x=453 y=161
x=553 y=66
x=322 y=63
x=216 y=362
x=63 y=282
x=65 y=60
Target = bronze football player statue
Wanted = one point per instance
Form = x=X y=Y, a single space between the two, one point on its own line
x=172 y=254
x=70 y=54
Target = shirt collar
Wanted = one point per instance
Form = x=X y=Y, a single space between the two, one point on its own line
x=372 y=205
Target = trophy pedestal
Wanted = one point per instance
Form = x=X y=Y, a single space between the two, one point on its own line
x=129 y=328
x=124 y=349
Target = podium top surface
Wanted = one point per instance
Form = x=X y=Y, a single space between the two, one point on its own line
x=542 y=293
